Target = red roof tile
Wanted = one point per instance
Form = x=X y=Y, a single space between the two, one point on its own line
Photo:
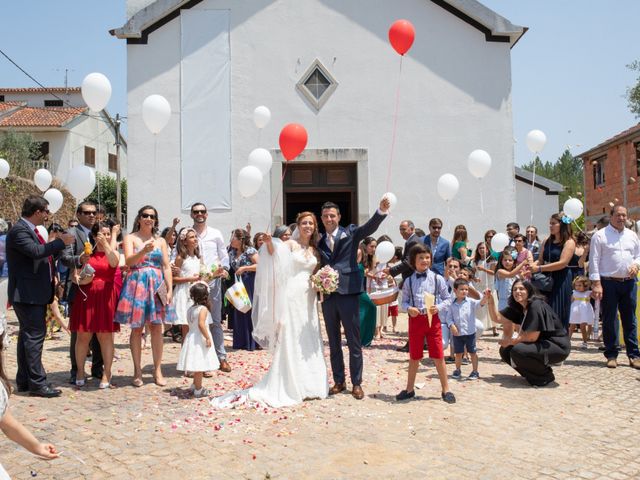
x=41 y=90
x=6 y=106
x=614 y=139
x=40 y=117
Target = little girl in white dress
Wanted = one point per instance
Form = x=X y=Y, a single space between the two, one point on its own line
x=581 y=310
x=188 y=261
x=198 y=355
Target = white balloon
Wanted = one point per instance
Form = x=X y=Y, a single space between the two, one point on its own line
x=42 y=178
x=249 y=181
x=573 y=208
x=261 y=116
x=536 y=140
x=448 y=186
x=43 y=232
x=385 y=251
x=499 y=241
x=55 y=199
x=262 y=159
x=479 y=327
x=479 y=163
x=96 y=91
x=156 y=113
x=393 y=200
x=81 y=181
x=4 y=168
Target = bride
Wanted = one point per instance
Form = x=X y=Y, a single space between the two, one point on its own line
x=285 y=320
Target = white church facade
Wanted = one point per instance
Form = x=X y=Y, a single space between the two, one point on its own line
x=328 y=65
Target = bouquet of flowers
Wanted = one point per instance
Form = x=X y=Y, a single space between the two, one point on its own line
x=207 y=273
x=325 y=280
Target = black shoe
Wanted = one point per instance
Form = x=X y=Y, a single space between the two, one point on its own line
x=46 y=392
x=404 y=348
x=22 y=389
x=449 y=397
x=97 y=374
x=72 y=378
x=404 y=395
x=449 y=360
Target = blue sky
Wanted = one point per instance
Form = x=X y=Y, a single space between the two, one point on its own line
x=568 y=70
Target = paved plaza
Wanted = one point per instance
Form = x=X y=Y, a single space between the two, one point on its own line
x=586 y=426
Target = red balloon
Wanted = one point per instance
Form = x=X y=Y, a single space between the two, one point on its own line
x=293 y=139
x=401 y=36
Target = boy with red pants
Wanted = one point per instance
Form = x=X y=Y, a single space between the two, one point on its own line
x=420 y=282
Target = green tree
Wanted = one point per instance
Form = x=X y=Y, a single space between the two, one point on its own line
x=19 y=149
x=568 y=171
x=633 y=93
x=105 y=193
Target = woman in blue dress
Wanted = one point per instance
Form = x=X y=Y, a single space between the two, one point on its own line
x=146 y=292
x=243 y=259
x=556 y=252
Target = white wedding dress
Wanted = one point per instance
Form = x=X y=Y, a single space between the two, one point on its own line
x=285 y=318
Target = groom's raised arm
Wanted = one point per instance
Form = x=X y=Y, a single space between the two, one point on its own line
x=363 y=231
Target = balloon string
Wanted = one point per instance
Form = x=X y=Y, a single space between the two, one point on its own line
x=395 y=125
x=273 y=208
x=481 y=199
x=533 y=184
x=576 y=224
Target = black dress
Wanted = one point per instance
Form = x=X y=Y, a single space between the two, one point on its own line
x=533 y=360
x=560 y=295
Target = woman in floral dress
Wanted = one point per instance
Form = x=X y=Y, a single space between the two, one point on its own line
x=146 y=293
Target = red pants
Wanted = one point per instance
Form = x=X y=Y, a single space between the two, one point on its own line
x=419 y=329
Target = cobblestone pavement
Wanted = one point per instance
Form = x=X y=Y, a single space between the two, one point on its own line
x=585 y=427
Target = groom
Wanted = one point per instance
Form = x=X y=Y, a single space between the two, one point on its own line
x=338 y=248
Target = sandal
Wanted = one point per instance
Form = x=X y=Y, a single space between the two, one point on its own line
x=137 y=382
x=160 y=383
x=207 y=374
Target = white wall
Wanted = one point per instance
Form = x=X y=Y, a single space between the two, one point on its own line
x=36 y=99
x=455 y=97
x=543 y=207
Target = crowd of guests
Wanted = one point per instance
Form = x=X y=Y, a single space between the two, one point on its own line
x=145 y=280
x=538 y=292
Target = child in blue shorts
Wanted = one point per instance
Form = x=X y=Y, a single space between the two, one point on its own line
x=459 y=314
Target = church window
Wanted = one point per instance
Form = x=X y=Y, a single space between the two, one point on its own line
x=317 y=84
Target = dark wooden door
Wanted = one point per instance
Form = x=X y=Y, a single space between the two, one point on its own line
x=308 y=185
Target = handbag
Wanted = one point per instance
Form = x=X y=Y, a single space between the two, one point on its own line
x=238 y=296
x=543 y=281
x=161 y=293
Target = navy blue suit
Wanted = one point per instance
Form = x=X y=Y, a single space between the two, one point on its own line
x=342 y=306
x=440 y=255
x=30 y=291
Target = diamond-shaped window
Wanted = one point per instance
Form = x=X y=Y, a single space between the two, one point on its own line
x=317 y=84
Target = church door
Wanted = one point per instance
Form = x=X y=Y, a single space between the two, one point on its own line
x=308 y=185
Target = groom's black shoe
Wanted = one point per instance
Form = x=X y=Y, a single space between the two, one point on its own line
x=337 y=388
x=404 y=348
x=357 y=392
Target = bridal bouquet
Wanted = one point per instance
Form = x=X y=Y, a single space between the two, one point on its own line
x=207 y=273
x=325 y=280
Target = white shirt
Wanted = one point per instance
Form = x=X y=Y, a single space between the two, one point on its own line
x=212 y=247
x=613 y=252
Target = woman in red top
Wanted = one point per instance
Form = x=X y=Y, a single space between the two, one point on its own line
x=95 y=305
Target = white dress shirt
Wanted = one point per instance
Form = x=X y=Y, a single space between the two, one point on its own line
x=612 y=253
x=212 y=248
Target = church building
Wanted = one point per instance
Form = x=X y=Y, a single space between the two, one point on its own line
x=327 y=65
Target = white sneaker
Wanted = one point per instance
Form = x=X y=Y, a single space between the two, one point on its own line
x=584 y=346
x=203 y=392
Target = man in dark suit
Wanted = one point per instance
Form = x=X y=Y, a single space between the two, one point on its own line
x=407 y=230
x=31 y=274
x=74 y=258
x=338 y=248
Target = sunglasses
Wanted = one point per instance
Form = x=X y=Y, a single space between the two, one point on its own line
x=519 y=241
x=435 y=228
x=198 y=212
x=148 y=215
x=89 y=212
